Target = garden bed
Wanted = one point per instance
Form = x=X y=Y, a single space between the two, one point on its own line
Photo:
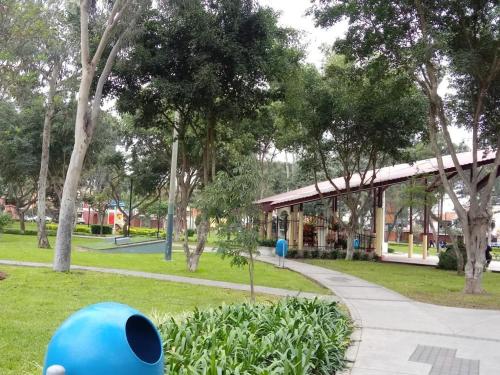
x=292 y=336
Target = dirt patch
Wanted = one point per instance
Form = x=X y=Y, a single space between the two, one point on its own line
x=3 y=275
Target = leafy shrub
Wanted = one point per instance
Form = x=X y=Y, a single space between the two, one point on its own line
x=448 y=258
x=5 y=219
x=356 y=255
x=307 y=254
x=315 y=253
x=96 y=229
x=293 y=336
x=292 y=253
x=51 y=226
x=191 y=232
x=390 y=250
x=151 y=232
x=364 y=256
x=341 y=254
x=267 y=243
x=83 y=229
x=27 y=232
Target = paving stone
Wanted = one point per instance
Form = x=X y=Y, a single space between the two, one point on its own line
x=444 y=361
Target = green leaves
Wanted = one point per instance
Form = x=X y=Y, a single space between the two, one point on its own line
x=293 y=336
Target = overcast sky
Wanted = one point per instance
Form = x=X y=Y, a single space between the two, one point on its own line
x=293 y=13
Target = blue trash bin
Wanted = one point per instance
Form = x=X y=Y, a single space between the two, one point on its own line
x=356 y=244
x=281 y=248
x=104 y=339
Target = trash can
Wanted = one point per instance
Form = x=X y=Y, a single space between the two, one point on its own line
x=104 y=339
x=281 y=248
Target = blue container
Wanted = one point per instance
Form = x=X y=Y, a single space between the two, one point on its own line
x=281 y=248
x=356 y=243
x=104 y=339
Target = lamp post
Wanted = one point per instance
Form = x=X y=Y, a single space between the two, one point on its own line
x=130 y=206
x=171 y=193
x=158 y=214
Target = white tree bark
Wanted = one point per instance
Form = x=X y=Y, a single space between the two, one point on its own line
x=87 y=115
x=43 y=241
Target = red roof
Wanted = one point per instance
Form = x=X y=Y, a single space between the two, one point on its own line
x=383 y=177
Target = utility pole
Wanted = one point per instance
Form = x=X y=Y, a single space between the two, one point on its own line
x=171 y=194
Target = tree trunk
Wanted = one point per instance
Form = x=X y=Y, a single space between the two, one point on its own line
x=475 y=244
x=22 y=222
x=43 y=241
x=83 y=133
x=350 y=244
x=251 y=274
x=194 y=257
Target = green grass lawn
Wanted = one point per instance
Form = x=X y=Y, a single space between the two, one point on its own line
x=426 y=284
x=34 y=302
x=18 y=247
x=402 y=247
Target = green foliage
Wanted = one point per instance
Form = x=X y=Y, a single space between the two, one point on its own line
x=448 y=258
x=96 y=229
x=5 y=219
x=27 y=232
x=190 y=232
x=293 y=336
x=151 y=232
x=267 y=243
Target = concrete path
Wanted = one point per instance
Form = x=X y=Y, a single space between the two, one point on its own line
x=178 y=279
x=397 y=335
x=431 y=260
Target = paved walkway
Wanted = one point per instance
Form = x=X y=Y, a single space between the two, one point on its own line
x=178 y=279
x=397 y=335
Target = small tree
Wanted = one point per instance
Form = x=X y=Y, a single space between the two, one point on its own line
x=230 y=200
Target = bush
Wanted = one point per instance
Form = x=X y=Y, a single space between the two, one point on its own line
x=151 y=232
x=390 y=250
x=5 y=219
x=96 y=229
x=292 y=254
x=51 y=226
x=27 y=232
x=356 y=255
x=315 y=253
x=191 y=232
x=83 y=229
x=293 y=336
x=448 y=258
x=267 y=243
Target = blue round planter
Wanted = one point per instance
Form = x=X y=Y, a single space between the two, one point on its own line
x=106 y=338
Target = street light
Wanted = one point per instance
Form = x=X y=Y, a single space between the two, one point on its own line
x=128 y=172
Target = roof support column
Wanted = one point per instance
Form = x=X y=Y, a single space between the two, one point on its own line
x=335 y=220
x=380 y=222
x=262 y=225
x=269 y=225
x=426 y=225
x=300 y=244
x=291 y=227
x=410 y=235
